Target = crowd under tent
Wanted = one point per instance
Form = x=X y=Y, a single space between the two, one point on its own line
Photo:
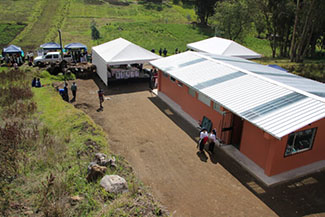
x=114 y=59
x=13 y=54
x=273 y=118
x=224 y=47
x=78 y=52
x=12 y=49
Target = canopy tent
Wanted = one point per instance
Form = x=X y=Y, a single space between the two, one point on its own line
x=75 y=46
x=12 y=49
x=119 y=52
x=225 y=47
x=50 y=46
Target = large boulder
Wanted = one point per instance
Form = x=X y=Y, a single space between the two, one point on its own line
x=114 y=184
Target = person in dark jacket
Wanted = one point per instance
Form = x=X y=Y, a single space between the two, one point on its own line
x=74 y=91
x=66 y=93
x=34 y=82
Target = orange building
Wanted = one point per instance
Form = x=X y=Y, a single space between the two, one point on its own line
x=273 y=117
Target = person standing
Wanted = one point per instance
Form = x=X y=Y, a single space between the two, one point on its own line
x=165 y=52
x=160 y=51
x=204 y=136
x=66 y=93
x=101 y=98
x=74 y=91
x=38 y=83
x=212 y=140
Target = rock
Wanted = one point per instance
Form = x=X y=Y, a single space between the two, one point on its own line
x=75 y=199
x=102 y=160
x=29 y=212
x=114 y=184
x=95 y=171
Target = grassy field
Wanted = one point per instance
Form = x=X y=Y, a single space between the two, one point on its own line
x=49 y=150
x=8 y=32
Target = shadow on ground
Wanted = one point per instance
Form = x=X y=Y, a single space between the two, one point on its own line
x=303 y=196
x=122 y=86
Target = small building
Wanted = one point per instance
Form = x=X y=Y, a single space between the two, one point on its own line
x=108 y=58
x=224 y=47
x=274 y=118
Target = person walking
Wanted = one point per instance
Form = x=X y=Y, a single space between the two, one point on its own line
x=101 y=98
x=74 y=91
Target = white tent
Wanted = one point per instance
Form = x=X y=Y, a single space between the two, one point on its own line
x=225 y=47
x=119 y=52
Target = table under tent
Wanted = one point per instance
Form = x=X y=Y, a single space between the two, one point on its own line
x=77 y=51
x=13 y=54
x=121 y=59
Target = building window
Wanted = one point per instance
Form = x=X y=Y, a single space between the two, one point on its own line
x=180 y=84
x=172 y=79
x=191 y=92
x=217 y=107
x=206 y=100
x=300 y=141
x=165 y=74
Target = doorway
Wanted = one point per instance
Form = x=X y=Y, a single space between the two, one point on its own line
x=231 y=131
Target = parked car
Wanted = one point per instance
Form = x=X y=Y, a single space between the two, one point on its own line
x=50 y=57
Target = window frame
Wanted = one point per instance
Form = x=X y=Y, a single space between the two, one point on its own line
x=201 y=97
x=193 y=91
x=172 y=79
x=314 y=132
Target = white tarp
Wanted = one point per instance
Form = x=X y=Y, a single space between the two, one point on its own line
x=225 y=47
x=119 y=52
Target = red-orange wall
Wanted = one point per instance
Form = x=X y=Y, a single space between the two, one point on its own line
x=265 y=150
x=194 y=107
x=279 y=163
x=268 y=152
x=254 y=145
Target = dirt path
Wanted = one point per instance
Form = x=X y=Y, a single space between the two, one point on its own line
x=161 y=147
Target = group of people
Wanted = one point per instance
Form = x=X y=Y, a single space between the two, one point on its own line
x=208 y=138
x=13 y=59
x=165 y=51
x=36 y=82
x=64 y=92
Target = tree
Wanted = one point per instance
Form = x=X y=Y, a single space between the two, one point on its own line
x=232 y=19
x=95 y=35
x=205 y=9
x=306 y=32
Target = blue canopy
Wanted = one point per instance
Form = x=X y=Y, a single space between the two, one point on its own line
x=75 y=46
x=277 y=67
x=12 y=49
x=50 y=46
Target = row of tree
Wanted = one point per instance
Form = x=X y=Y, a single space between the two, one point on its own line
x=294 y=28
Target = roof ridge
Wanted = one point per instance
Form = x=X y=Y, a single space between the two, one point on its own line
x=263 y=78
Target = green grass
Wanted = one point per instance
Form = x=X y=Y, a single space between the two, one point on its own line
x=60 y=148
x=156 y=36
x=8 y=32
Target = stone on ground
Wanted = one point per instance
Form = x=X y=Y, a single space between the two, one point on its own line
x=114 y=184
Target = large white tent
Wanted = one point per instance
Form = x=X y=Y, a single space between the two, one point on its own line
x=225 y=47
x=119 y=52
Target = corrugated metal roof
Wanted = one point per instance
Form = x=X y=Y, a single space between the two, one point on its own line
x=259 y=94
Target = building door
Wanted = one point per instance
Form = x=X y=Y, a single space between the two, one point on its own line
x=237 y=128
x=226 y=128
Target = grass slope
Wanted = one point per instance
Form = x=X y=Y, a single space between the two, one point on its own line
x=8 y=32
x=56 y=145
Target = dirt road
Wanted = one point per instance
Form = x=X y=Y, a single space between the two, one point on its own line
x=161 y=147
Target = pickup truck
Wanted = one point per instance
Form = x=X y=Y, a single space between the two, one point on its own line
x=50 y=57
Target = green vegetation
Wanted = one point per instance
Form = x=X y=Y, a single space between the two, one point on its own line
x=8 y=32
x=45 y=147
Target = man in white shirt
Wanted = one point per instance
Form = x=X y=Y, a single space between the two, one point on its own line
x=213 y=140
